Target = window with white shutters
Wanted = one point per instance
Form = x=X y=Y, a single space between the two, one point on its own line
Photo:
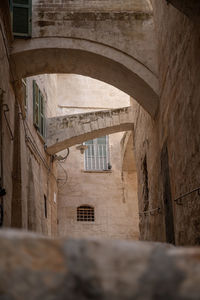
x=97 y=154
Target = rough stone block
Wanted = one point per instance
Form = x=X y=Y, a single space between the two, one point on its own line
x=95 y=269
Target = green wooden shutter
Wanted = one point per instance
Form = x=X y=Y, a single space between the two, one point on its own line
x=42 y=117
x=21 y=13
x=24 y=84
x=36 y=108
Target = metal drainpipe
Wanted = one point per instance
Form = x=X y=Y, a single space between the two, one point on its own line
x=2 y=190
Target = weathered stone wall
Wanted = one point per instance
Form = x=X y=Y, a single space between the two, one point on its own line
x=113 y=193
x=22 y=173
x=114 y=23
x=176 y=131
x=107 y=98
x=146 y=144
x=69 y=130
x=7 y=101
x=109 y=193
x=95 y=269
x=129 y=178
x=98 y=5
x=38 y=171
x=167 y=148
x=130 y=196
x=115 y=46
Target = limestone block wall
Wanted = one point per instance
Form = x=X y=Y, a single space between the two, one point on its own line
x=112 y=193
x=175 y=130
x=114 y=23
x=38 y=171
x=130 y=178
x=130 y=196
x=68 y=130
x=7 y=101
x=84 y=94
x=107 y=265
x=111 y=196
x=114 y=44
x=22 y=172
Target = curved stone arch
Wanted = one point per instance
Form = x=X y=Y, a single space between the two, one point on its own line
x=69 y=130
x=74 y=140
x=77 y=56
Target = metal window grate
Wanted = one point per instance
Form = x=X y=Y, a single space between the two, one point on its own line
x=85 y=214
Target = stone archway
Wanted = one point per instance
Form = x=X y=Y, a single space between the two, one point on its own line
x=78 y=56
x=69 y=130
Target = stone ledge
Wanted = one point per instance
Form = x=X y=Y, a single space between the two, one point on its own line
x=33 y=267
x=96 y=171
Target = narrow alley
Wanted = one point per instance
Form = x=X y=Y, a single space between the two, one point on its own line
x=99 y=149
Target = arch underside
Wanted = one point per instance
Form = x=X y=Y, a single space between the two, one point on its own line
x=55 y=147
x=63 y=55
x=127 y=153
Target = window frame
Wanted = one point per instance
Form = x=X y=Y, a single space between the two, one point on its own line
x=39 y=118
x=96 y=160
x=29 y=8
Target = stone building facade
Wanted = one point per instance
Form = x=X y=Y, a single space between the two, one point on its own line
x=38 y=171
x=112 y=193
x=30 y=200
x=27 y=174
x=32 y=192
x=170 y=142
x=148 y=49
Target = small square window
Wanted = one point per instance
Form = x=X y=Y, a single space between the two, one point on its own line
x=85 y=213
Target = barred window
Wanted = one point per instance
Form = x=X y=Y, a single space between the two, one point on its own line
x=85 y=213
